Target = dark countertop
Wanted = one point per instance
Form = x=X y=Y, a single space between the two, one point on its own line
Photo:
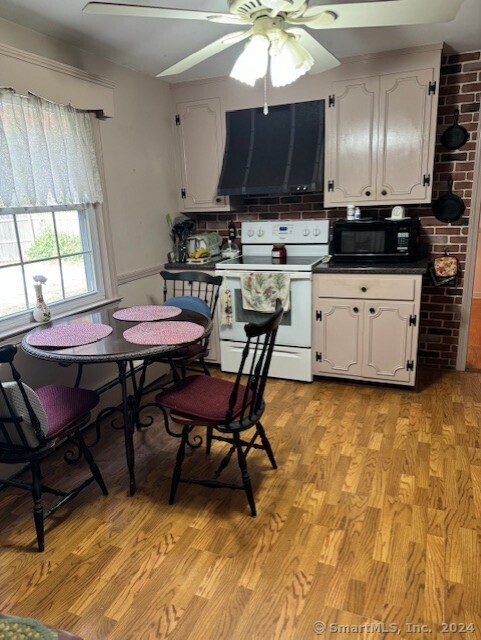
x=188 y=266
x=420 y=267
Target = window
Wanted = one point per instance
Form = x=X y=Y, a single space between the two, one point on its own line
x=49 y=182
x=58 y=243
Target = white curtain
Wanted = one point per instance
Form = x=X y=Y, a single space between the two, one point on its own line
x=47 y=154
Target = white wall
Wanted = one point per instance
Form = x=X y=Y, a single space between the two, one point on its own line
x=139 y=177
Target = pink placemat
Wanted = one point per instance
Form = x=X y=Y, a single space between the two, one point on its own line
x=164 y=332
x=147 y=313
x=69 y=335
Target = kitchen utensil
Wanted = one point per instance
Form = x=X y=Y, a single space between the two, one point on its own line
x=455 y=136
x=446 y=266
x=444 y=270
x=449 y=207
x=182 y=229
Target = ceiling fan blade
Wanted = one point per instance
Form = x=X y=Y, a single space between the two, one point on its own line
x=228 y=18
x=380 y=14
x=206 y=52
x=141 y=11
x=323 y=59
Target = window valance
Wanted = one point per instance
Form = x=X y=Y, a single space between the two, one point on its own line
x=29 y=73
x=47 y=154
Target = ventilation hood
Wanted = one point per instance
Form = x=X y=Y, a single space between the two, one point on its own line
x=281 y=152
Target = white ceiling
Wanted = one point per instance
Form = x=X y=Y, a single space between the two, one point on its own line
x=151 y=45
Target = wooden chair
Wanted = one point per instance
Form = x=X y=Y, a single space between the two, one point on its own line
x=226 y=409
x=196 y=291
x=31 y=424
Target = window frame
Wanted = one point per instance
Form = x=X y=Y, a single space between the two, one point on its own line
x=102 y=254
x=73 y=303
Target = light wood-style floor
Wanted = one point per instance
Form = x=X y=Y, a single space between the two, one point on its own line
x=373 y=517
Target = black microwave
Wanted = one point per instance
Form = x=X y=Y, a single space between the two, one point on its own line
x=375 y=240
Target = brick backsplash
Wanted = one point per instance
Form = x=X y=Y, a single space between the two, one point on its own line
x=460 y=87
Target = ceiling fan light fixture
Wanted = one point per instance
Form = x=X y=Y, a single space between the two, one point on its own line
x=253 y=61
x=289 y=62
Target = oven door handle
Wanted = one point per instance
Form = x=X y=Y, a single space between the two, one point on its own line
x=298 y=275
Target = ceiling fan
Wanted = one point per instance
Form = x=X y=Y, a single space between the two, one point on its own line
x=275 y=30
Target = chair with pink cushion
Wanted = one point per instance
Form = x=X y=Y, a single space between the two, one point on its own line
x=31 y=425
x=226 y=409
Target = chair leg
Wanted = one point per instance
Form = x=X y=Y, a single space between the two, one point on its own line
x=205 y=367
x=246 y=481
x=91 y=462
x=178 y=463
x=266 y=444
x=37 y=504
x=175 y=374
x=208 y=440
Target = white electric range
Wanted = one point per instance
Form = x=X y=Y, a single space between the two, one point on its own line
x=306 y=243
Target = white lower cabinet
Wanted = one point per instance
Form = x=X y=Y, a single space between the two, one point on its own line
x=369 y=330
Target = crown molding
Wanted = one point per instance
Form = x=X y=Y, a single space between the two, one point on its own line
x=53 y=65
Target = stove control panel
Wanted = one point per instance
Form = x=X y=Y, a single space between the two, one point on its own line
x=285 y=232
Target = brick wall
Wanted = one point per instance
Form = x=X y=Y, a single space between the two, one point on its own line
x=460 y=87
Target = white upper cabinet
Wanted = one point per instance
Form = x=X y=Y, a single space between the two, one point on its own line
x=199 y=132
x=380 y=135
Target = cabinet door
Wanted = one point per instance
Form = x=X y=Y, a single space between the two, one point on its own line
x=388 y=341
x=408 y=105
x=351 y=141
x=337 y=337
x=199 y=128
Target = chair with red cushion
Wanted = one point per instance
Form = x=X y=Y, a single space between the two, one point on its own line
x=226 y=408
x=31 y=424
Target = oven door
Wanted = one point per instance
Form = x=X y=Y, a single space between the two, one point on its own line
x=295 y=328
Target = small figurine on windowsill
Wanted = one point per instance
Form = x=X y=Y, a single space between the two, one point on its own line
x=41 y=313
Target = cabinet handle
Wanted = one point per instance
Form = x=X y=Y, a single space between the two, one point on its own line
x=384 y=192
x=372 y=310
x=355 y=309
x=367 y=193
x=364 y=289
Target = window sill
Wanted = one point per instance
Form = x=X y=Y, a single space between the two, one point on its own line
x=16 y=335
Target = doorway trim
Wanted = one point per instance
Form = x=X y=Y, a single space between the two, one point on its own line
x=470 y=264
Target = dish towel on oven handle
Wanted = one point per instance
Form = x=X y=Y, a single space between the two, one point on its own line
x=225 y=306
x=260 y=291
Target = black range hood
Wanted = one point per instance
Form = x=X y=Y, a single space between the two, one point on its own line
x=281 y=152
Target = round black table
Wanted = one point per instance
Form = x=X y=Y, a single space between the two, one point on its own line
x=113 y=348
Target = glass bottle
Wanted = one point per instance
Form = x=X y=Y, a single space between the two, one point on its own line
x=279 y=254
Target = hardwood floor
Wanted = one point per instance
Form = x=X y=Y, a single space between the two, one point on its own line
x=373 y=517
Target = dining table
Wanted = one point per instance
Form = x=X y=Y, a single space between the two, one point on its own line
x=116 y=338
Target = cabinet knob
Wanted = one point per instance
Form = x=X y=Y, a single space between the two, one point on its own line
x=355 y=309
x=384 y=192
x=218 y=199
x=372 y=310
x=364 y=289
x=367 y=193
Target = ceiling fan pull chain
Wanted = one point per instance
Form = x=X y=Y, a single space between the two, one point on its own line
x=266 y=108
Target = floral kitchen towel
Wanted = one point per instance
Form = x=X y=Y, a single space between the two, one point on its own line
x=261 y=289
